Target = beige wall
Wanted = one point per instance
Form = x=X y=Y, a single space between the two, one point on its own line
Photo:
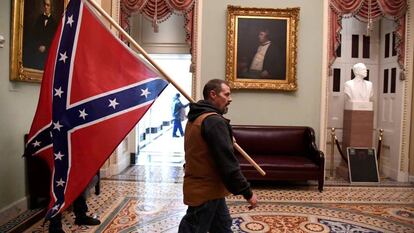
x=18 y=101
x=266 y=107
x=170 y=37
x=17 y=106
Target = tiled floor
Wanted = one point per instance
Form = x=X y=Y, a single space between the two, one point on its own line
x=148 y=198
x=165 y=150
x=151 y=206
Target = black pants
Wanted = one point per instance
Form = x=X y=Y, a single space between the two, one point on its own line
x=79 y=209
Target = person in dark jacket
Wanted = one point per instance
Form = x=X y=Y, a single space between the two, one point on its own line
x=178 y=111
x=211 y=169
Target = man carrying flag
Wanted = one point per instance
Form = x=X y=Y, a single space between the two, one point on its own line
x=94 y=91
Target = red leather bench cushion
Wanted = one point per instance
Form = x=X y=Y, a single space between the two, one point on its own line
x=279 y=162
x=272 y=140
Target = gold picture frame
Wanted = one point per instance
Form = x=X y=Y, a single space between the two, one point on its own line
x=261 y=48
x=29 y=42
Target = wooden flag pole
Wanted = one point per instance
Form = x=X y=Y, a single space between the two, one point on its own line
x=248 y=158
x=139 y=48
x=165 y=75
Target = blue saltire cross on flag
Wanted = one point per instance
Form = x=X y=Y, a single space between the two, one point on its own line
x=94 y=91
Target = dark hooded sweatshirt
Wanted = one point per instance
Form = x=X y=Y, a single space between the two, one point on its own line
x=217 y=134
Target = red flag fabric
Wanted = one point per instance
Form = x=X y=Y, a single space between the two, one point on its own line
x=94 y=91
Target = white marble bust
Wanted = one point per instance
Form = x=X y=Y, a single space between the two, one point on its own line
x=358 y=89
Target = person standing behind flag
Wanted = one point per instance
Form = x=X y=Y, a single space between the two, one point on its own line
x=80 y=208
x=211 y=168
x=178 y=111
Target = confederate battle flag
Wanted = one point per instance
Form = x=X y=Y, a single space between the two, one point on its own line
x=94 y=91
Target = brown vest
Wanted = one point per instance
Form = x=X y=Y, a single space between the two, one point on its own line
x=201 y=180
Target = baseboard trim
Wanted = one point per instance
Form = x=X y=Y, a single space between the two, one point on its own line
x=13 y=210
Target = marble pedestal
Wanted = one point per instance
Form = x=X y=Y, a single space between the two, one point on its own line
x=357 y=130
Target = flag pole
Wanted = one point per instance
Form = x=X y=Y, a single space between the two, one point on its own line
x=165 y=75
x=139 y=48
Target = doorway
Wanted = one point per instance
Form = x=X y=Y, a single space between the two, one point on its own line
x=154 y=140
x=377 y=51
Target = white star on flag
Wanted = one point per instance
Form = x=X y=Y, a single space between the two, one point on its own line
x=58 y=156
x=57 y=125
x=83 y=113
x=145 y=92
x=36 y=143
x=73 y=59
x=63 y=57
x=113 y=103
x=60 y=182
x=56 y=207
x=58 y=92
x=70 y=20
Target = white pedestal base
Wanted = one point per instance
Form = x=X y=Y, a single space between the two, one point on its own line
x=359 y=106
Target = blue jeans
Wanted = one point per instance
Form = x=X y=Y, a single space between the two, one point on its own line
x=177 y=125
x=212 y=216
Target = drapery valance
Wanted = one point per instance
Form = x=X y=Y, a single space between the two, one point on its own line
x=158 y=11
x=366 y=10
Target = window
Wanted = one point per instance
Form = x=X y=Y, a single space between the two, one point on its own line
x=338 y=50
x=365 y=46
x=367 y=78
x=355 y=46
x=387 y=45
x=394 y=51
x=336 y=85
x=393 y=79
x=385 y=87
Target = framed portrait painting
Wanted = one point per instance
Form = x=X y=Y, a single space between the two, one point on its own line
x=261 y=48
x=34 y=24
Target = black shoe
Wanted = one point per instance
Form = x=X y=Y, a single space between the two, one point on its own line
x=87 y=220
x=176 y=136
x=56 y=231
x=55 y=224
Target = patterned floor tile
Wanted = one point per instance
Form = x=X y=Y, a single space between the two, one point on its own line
x=304 y=217
x=148 y=198
x=171 y=173
x=21 y=219
x=127 y=206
